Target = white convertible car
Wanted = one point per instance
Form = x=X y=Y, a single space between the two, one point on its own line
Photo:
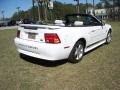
x=68 y=39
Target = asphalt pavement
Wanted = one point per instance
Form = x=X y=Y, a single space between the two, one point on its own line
x=8 y=27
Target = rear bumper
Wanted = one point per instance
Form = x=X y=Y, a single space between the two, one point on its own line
x=45 y=51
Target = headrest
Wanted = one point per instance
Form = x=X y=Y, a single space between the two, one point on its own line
x=78 y=23
x=59 y=23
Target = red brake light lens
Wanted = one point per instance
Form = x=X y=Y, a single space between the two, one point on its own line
x=18 y=33
x=52 y=38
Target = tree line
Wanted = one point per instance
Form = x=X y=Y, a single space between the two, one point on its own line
x=58 y=12
x=43 y=13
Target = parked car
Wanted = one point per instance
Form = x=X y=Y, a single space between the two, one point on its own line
x=78 y=34
x=11 y=23
x=28 y=21
x=4 y=23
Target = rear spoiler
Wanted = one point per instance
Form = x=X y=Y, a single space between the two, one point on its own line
x=35 y=27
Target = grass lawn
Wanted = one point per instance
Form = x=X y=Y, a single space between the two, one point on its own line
x=99 y=69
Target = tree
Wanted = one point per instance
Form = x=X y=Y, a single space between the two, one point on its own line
x=107 y=3
x=86 y=6
x=33 y=10
x=18 y=11
x=111 y=3
x=58 y=12
x=42 y=3
x=117 y=3
x=3 y=14
x=99 y=5
x=78 y=8
x=45 y=9
x=39 y=4
x=93 y=7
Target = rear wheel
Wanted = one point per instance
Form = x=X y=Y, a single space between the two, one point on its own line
x=77 y=52
x=109 y=38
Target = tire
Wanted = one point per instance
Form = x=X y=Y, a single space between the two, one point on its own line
x=77 y=52
x=109 y=38
x=21 y=55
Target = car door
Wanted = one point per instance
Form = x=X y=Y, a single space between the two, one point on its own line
x=96 y=30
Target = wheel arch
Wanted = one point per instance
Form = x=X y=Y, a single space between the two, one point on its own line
x=110 y=30
x=83 y=40
x=70 y=58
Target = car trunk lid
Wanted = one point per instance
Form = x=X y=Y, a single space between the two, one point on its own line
x=35 y=32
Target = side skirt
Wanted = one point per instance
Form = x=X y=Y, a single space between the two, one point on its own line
x=90 y=47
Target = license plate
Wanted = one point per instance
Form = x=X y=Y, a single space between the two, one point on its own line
x=31 y=35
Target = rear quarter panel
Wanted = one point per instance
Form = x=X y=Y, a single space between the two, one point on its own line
x=70 y=35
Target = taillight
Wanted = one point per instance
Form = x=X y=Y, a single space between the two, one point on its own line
x=18 y=33
x=52 y=38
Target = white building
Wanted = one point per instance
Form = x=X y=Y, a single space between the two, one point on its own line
x=102 y=13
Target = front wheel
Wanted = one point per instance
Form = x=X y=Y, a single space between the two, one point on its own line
x=109 y=38
x=77 y=52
